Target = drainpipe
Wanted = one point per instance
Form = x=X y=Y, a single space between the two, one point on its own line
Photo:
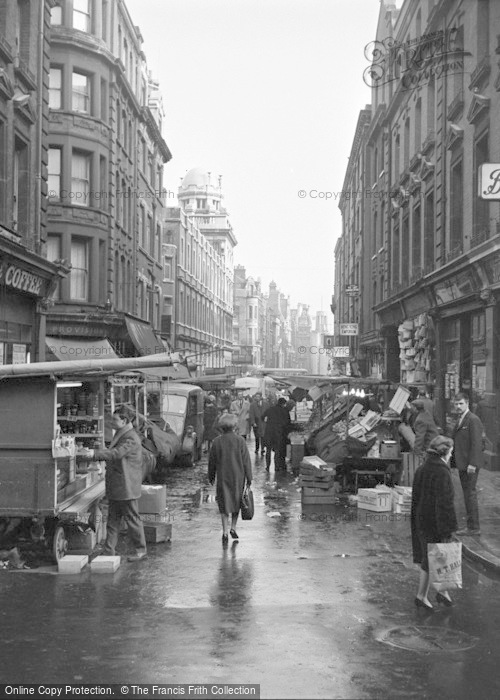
x=37 y=243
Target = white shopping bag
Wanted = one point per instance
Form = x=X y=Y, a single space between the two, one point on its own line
x=445 y=565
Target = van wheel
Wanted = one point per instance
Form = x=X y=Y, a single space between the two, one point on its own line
x=59 y=543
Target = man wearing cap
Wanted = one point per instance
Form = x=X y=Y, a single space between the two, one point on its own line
x=467 y=457
x=424 y=427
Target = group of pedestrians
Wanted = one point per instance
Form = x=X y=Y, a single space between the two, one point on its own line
x=433 y=517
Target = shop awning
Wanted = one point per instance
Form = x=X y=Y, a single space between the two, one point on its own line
x=71 y=349
x=144 y=339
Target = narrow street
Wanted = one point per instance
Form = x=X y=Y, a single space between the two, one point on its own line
x=298 y=605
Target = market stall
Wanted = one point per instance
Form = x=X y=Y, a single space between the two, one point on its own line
x=48 y=411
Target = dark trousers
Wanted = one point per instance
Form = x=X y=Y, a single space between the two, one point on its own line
x=469 y=482
x=256 y=432
x=130 y=512
x=279 y=457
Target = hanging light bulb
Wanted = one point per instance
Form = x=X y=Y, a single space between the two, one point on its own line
x=344 y=392
x=362 y=393
x=352 y=392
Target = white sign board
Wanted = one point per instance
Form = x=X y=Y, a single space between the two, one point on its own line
x=399 y=399
x=488 y=181
x=348 y=329
x=341 y=351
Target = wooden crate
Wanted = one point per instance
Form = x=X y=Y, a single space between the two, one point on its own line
x=410 y=465
x=158 y=532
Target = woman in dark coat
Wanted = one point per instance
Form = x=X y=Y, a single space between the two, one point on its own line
x=433 y=517
x=209 y=422
x=229 y=461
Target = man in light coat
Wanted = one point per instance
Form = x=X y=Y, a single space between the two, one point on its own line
x=123 y=483
x=468 y=457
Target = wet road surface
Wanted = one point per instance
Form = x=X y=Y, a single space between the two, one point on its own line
x=298 y=605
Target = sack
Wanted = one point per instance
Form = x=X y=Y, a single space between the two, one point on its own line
x=247 y=507
x=445 y=565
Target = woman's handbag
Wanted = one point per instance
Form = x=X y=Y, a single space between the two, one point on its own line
x=247 y=504
x=445 y=565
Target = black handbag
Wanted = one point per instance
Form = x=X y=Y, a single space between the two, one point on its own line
x=247 y=507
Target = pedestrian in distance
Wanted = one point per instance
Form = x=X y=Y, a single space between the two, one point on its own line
x=433 y=517
x=424 y=427
x=277 y=427
x=257 y=409
x=467 y=457
x=229 y=465
x=210 y=416
x=123 y=460
x=240 y=407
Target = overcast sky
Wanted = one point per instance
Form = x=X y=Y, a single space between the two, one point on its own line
x=265 y=93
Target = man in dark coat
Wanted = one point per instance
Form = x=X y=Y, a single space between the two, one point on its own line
x=257 y=409
x=433 y=517
x=468 y=457
x=229 y=461
x=277 y=427
x=123 y=483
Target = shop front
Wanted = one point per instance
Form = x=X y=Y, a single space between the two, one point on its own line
x=26 y=282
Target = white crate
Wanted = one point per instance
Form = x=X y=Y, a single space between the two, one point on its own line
x=374 y=499
x=104 y=565
x=72 y=563
x=313 y=461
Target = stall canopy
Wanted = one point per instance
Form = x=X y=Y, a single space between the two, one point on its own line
x=70 y=349
x=142 y=336
x=212 y=381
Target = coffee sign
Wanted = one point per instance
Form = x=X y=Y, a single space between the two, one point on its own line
x=17 y=278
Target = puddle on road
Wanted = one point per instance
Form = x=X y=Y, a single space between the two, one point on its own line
x=426 y=638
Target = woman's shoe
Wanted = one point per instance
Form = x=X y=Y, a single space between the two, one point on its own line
x=234 y=534
x=225 y=539
x=443 y=599
x=420 y=604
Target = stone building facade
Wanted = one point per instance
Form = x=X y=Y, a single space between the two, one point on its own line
x=27 y=279
x=431 y=236
x=105 y=164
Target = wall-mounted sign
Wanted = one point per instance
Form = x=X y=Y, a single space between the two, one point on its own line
x=352 y=290
x=348 y=329
x=488 y=182
x=328 y=341
x=17 y=278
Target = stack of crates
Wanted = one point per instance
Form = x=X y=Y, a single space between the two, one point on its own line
x=317 y=479
x=401 y=499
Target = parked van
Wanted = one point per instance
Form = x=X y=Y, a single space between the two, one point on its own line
x=183 y=406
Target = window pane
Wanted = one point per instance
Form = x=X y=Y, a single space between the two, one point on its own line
x=54 y=253
x=80 y=179
x=55 y=87
x=81 y=15
x=79 y=271
x=81 y=93
x=56 y=15
x=54 y=172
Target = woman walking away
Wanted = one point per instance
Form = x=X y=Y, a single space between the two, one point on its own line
x=229 y=461
x=433 y=517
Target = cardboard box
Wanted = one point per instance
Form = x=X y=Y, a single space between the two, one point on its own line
x=104 y=564
x=72 y=564
x=378 y=500
x=158 y=532
x=153 y=499
x=389 y=449
x=313 y=461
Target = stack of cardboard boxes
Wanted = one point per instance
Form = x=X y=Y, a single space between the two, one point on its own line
x=154 y=514
x=317 y=482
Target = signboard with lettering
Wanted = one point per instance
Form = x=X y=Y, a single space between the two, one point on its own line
x=341 y=351
x=352 y=290
x=348 y=329
x=488 y=181
x=23 y=280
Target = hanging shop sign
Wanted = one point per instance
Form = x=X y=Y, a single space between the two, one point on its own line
x=348 y=329
x=18 y=278
x=488 y=181
x=328 y=341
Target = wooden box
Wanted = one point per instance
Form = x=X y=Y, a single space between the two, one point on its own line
x=158 y=532
x=153 y=499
